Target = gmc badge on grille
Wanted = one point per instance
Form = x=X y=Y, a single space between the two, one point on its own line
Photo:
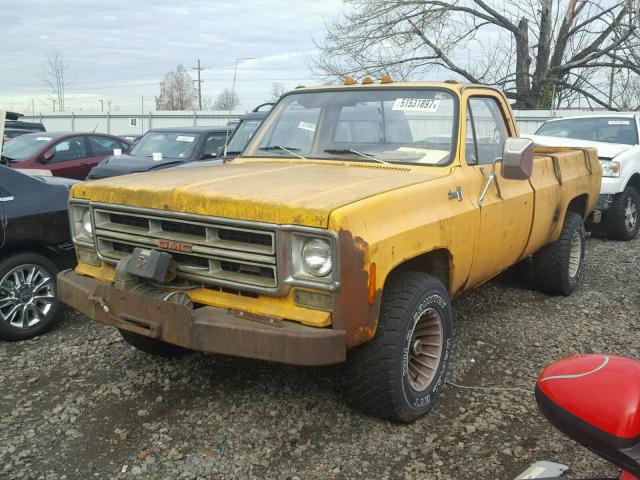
x=171 y=245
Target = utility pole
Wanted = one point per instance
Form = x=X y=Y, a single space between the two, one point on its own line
x=199 y=69
x=33 y=108
x=54 y=105
x=102 y=105
x=142 y=116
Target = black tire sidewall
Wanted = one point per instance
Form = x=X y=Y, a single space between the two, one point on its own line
x=418 y=403
x=153 y=346
x=575 y=224
x=615 y=216
x=8 y=332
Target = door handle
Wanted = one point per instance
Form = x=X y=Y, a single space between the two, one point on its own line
x=456 y=194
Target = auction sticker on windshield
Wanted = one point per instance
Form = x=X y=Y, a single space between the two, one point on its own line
x=619 y=122
x=184 y=138
x=428 y=105
x=307 y=126
x=44 y=139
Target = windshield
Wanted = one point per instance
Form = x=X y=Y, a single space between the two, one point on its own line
x=608 y=129
x=242 y=135
x=372 y=125
x=24 y=147
x=170 y=144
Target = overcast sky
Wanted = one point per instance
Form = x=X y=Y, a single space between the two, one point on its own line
x=118 y=51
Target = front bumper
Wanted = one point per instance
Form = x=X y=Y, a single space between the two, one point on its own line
x=604 y=201
x=206 y=329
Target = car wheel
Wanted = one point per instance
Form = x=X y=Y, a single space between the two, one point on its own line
x=153 y=346
x=399 y=373
x=28 y=303
x=622 y=217
x=557 y=267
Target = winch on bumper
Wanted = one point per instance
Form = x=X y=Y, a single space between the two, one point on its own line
x=206 y=329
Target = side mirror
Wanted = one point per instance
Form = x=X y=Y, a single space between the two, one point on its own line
x=48 y=156
x=208 y=155
x=517 y=158
x=220 y=152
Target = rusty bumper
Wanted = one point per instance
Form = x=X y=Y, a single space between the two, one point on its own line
x=206 y=329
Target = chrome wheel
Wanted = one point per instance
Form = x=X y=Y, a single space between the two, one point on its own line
x=27 y=296
x=425 y=350
x=575 y=254
x=630 y=214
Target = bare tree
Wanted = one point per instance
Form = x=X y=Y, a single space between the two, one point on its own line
x=535 y=50
x=227 y=100
x=177 y=91
x=54 y=75
x=277 y=90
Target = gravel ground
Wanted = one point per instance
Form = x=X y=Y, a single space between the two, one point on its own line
x=79 y=403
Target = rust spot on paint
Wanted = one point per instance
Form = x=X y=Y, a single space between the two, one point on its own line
x=357 y=309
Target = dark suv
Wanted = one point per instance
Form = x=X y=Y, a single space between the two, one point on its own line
x=13 y=121
x=35 y=244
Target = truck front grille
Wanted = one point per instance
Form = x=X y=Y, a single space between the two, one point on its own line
x=216 y=252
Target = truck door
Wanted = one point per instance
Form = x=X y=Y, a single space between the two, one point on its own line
x=506 y=209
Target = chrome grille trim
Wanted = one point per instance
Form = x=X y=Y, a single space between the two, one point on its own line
x=247 y=260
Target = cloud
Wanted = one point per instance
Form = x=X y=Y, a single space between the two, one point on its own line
x=120 y=50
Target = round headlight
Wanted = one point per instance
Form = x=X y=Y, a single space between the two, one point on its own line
x=316 y=255
x=85 y=221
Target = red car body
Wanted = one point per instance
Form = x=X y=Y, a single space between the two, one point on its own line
x=70 y=155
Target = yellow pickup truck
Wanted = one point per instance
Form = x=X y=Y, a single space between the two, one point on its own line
x=352 y=218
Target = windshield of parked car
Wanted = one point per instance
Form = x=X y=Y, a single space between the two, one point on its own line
x=608 y=129
x=416 y=126
x=170 y=144
x=24 y=147
x=242 y=135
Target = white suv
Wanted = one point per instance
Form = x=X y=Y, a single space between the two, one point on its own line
x=617 y=138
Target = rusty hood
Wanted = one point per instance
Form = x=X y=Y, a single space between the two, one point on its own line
x=274 y=191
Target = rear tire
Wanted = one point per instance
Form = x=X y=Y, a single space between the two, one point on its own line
x=28 y=303
x=153 y=346
x=622 y=217
x=557 y=267
x=399 y=373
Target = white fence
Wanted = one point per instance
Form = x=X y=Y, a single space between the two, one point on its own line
x=136 y=123
x=119 y=123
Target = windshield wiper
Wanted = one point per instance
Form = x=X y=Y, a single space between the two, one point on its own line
x=346 y=151
x=285 y=149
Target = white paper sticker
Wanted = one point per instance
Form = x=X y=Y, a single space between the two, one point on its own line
x=619 y=122
x=44 y=139
x=307 y=126
x=425 y=105
x=184 y=138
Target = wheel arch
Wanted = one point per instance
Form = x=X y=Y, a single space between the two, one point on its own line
x=437 y=262
x=33 y=247
x=579 y=205
x=634 y=181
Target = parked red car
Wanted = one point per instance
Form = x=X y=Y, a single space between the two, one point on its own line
x=70 y=155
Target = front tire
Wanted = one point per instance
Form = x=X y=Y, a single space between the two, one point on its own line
x=622 y=217
x=28 y=303
x=557 y=267
x=153 y=346
x=399 y=373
